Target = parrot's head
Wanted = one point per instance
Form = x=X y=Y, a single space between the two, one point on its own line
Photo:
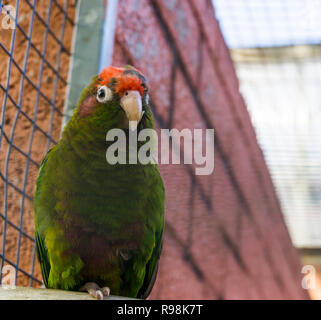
x=116 y=98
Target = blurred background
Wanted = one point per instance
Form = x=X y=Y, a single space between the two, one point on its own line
x=250 y=69
x=275 y=47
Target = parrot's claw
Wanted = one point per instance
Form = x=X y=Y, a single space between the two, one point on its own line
x=95 y=291
x=106 y=291
x=97 y=294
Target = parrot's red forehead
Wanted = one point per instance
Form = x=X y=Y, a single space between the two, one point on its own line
x=125 y=78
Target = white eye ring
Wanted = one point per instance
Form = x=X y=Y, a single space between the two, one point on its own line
x=147 y=98
x=104 y=94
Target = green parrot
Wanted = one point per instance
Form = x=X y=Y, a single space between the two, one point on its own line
x=99 y=226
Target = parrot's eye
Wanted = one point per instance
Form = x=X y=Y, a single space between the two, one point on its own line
x=104 y=94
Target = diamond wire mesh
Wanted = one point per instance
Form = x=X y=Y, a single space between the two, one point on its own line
x=34 y=60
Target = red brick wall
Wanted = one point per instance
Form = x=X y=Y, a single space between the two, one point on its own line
x=225 y=236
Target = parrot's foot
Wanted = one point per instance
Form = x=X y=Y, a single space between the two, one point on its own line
x=95 y=291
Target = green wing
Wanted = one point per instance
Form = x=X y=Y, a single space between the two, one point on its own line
x=42 y=257
x=152 y=268
x=39 y=240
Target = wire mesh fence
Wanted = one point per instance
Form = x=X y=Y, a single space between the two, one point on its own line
x=35 y=48
x=276 y=48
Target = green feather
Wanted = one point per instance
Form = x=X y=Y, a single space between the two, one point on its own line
x=96 y=222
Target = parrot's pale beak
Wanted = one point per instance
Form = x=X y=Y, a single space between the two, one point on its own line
x=131 y=102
